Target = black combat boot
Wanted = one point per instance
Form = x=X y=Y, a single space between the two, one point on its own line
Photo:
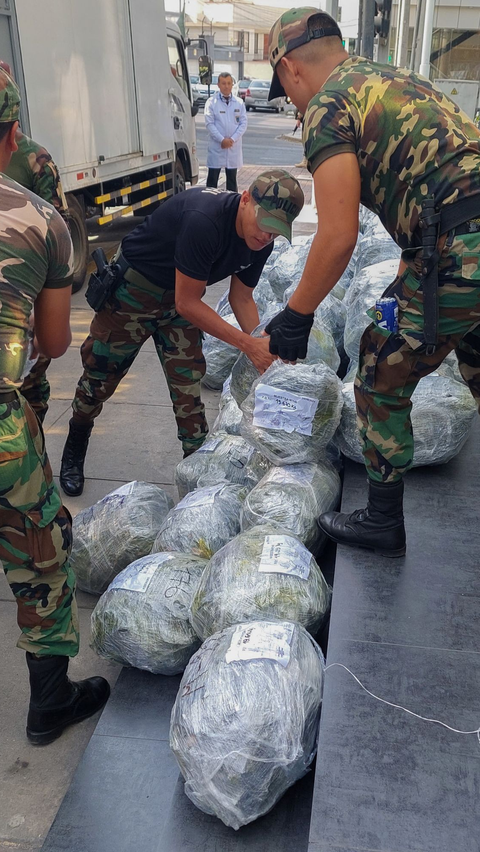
x=72 y=479
x=56 y=702
x=379 y=527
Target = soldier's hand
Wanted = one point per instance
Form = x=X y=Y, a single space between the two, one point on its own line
x=257 y=350
x=289 y=332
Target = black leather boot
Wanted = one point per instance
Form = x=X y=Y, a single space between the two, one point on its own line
x=72 y=479
x=56 y=702
x=379 y=527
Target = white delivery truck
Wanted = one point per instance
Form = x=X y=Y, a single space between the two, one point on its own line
x=105 y=87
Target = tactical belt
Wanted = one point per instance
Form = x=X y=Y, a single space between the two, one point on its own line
x=130 y=274
x=7 y=396
x=433 y=224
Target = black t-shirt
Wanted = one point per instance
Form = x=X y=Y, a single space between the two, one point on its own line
x=195 y=233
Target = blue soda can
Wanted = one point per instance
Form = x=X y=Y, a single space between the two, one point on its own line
x=386 y=313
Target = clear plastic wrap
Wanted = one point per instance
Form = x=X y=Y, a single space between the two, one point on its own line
x=362 y=284
x=223 y=307
x=203 y=521
x=331 y=314
x=443 y=412
x=228 y=418
x=292 y=498
x=292 y=412
x=321 y=348
x=115 y=531
x=375 y=248
x=143 y=620
x=245 y=722
x=288 y=269
x=379 y=278
x=223 y=457
x=264 y=574
x=219 y=356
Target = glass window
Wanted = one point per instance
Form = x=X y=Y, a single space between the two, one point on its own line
x=177 y=63
x=455 y=54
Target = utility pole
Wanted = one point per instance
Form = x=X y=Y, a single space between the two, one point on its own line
x=331 y=8
x=427 y=39
x=403 y=29
x=368 y=31
x=416 y=34
x=358 y=46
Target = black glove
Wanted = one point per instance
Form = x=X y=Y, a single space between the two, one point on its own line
x=289 y=332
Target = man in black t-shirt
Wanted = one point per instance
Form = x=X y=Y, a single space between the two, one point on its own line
x=193 y=240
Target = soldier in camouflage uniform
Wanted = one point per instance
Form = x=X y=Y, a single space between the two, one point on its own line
x=390 y=139
x=33 y=167
x=164 y=266
x=35 y=529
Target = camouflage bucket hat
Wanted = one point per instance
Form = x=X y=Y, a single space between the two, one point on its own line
x=9 y=98
x=278 y=199
x=291 y=31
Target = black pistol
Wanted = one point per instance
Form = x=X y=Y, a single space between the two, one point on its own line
x=102 y=282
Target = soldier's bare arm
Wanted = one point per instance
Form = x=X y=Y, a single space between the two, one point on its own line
x=52 y=321
x=337 y=194
x=189 y=304
x=243 y=305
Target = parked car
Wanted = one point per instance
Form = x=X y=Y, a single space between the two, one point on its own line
x=241 y=87
x=256 y=97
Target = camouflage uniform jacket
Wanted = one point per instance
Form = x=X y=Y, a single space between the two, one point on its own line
x=35 y=252
x=32 y=167
x=410 y=139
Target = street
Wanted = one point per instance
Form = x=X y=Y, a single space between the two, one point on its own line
x=261 y=143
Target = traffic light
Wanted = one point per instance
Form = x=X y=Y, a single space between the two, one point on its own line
x=381 y=21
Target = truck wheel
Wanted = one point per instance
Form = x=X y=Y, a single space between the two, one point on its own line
x=179 y=185
x=78 y=232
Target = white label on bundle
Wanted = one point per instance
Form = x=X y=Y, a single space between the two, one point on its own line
x=293 y=473
x=240 y=456
x=210 y=446
x=279 y=409
x=261 y=642
x=284 y=555
x=139 y=577
x=200 y=497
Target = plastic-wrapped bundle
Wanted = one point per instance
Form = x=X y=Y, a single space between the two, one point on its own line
x=321 y=347
x=115 y=531
x=293 y=497
x=245 y=722
x=265 y=574
x=443 y=411
x=289 y=268
x=222 y=458
x=220 y=357
x=223 y=307
x=362 y=283
x=292 y=412
x=228 y=418
x=203 y=521
x=379 y=278
x=375 y=247
x=331 y=313
x=143 y=620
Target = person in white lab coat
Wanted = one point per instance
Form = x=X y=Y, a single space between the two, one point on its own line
x=226 y=122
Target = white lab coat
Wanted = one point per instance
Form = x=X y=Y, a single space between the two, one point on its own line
x=225 y=121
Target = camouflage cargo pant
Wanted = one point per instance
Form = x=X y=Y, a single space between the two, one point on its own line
x=35 y=537
x=118 y=332
x=36 y=388
x=391 y=364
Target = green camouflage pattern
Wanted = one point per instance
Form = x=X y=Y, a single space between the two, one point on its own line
x=32 y=167
x=35 y=252
x=9 y=98
x=392 y=364
x=278 y=199
x=35 y=537
x=410 y=139
x=290 y=31
x=36 y=387
x=117 y=334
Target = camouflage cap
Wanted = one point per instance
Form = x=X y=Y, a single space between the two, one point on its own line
x=278 y=199
x=9 y=98
x=291 y=31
